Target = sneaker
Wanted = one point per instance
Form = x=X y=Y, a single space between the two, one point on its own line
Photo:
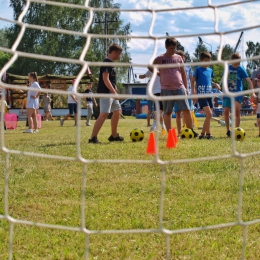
x=88 y=124
x=164 y=132
x=29 y=131
x=228 y=133
x=153 y=128
x=202 y=136
x=210 y=137
x=35 y=130
x=256 y=124
x=117 y=138
x=61 y=122
x=195 y=134
x=93 y=140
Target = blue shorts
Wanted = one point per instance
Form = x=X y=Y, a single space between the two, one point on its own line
x=205 y=102
x=257 y=116
x=176 y=108
x=150 y=104
x=73 y=108
x=168 y=105
x=227 y=101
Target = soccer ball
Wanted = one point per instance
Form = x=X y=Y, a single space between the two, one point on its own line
x=137 y=135
x=240 y=134
x=186 y=133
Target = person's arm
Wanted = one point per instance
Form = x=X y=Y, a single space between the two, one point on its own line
x=72 y=96
x=22 y=106
x=107 y=82
x=251 y=86
x=95 y=102
x=193 y=89
x=184 y=78
x=143 y=76
x=215 y=85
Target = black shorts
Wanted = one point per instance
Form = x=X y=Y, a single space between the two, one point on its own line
x=160 y=102
x=205 y=102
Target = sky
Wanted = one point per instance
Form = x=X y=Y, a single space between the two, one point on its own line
x=180 y=24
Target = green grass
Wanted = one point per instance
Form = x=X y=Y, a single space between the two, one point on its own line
x=126 y=196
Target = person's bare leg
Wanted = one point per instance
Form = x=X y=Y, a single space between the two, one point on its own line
x=35 y=123
x=178 y=121
x=98 y=124
x=114 y=122
x=206 y=125
x=237 y=113
x=149 y=117
x=226 y=117
x=188 y=118
x=75 y=119
x=29 y=112
x=168 y=120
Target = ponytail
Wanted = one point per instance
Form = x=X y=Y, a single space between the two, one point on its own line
x=34 y=76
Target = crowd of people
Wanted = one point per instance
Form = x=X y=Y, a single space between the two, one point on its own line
x=178 y=80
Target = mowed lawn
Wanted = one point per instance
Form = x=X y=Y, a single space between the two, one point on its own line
x=133 y=205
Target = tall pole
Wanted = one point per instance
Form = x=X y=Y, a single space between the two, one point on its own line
x=106 y=23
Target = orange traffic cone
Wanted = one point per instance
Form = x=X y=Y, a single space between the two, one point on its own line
x=170 y=140
x=174 y=132
x=151 y=144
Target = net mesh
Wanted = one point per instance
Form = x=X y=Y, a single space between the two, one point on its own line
x=233 y=153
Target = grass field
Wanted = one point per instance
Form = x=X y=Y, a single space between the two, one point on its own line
x=136 y=192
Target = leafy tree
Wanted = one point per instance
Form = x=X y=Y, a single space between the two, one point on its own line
x=253 y=49
x=4 y=56
x=3 y=38
x=108 y=23
x=63 y=45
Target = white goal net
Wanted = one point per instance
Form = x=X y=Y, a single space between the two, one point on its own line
x=170 y=169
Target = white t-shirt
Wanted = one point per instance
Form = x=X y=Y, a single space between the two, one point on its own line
x=31 y=102
x=157 y=85
x=70 y=99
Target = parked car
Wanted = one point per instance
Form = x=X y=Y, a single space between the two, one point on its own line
x=127 y=106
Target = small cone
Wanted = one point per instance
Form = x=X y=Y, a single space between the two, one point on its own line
x=164 y=132
x=170 y=140
x=174 y=132
x=151 y=144
x=194 y=119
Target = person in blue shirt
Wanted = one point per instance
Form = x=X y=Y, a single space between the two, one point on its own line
x=203 y=75
x=188 y=72
x=236 y=74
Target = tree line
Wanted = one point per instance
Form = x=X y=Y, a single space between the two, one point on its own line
x=70 y=46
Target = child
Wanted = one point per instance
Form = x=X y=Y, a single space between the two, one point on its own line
x=47 y=107
x=107 y=85
x=236 y=74
x=203 y=76
x=173 y=83
x=89 y=102
x=6 y=108
x=157 y=92
x=188 y=72
x=257 y=102
x=72 y=105
x=32 y=104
